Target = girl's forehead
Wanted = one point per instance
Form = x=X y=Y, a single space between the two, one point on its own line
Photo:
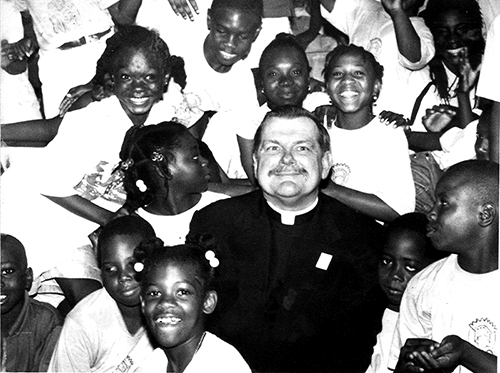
x=129 y=56
x=281 y=53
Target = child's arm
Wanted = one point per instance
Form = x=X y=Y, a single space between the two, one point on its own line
x=31 y=133
x=84 y=208
x=466 y=82
x=305 y=38
x=124 y=12
x=368 y=204
x=246 y=152
x=454 y=351
x=407 y=38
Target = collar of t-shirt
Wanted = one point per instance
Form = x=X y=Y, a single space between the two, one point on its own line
x=288 y=217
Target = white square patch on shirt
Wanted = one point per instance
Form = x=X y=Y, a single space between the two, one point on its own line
x=324 y=261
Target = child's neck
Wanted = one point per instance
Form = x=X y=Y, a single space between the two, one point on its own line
x=132 y=316
x=179 y=357
x=10 y=318
x=212 y=61
x=172 y=203
x=353 y=121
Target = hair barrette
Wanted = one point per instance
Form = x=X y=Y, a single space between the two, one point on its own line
x=157 y=157
x=125 y=165
x=138 y=267
x=141 y=185
x=212 y=260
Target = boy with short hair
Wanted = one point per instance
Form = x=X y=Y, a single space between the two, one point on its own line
x=29 y=328
x=449 y=313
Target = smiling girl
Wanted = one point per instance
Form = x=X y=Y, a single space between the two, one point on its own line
x=371 y=168
x=176 y=294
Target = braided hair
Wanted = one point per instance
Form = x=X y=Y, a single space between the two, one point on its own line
x=341 y=50
x=431 y=15
x=198 y=252
x=145 y=152
x=139 y=39
x=282 y=40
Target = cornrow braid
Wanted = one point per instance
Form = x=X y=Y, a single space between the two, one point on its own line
x=132 y=38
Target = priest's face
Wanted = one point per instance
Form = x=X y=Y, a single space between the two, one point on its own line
x=289 y=163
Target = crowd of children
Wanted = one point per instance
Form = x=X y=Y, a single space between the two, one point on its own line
x=147 y=114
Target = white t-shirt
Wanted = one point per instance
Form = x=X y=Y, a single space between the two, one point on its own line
x=442 y=300
x=173 y=229
x=374 y=159
x=368 y=25
x=213 y=356
x=94 y=338
x=380 y=355
x=58 y=22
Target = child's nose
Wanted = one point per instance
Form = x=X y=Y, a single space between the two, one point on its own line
x=125 y=276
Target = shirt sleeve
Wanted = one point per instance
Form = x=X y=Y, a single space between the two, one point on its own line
x=427 y=49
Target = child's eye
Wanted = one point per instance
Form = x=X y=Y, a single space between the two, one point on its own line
x=221 y=30
x=297 y=72
x=411 y=268
x=183 y=292
x=151 y=77
x=244 y=37
x=7 y=271
x=386 y=261
x=336 y=74
x=153 y=294
x=272 y=74
x=110 y=269
x=359 y=73
x=124 y=77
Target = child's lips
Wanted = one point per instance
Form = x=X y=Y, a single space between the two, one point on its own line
x=139 y=100
x=349 y=94
x=227 y=55
x=168 y=320
x=2 y=298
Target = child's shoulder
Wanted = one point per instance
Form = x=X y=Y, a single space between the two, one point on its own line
x=430 y=275
x=44 y=313
x=91 y=306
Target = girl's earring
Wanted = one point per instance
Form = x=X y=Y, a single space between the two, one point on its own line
x=375 y=98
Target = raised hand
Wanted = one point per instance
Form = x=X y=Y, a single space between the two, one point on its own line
x=183 y=8
x=439 y=117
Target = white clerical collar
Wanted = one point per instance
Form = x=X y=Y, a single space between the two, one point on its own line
x=288 y=217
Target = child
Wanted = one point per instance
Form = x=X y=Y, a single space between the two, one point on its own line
x=76 y=167
x=176 y=294
x=449 y=313
x=101 y=330
x=405 y=252
x=456 y=26
x=400 y=41
x=166 y=179
x=29 y=328
x=284 y=75
x=371 y=168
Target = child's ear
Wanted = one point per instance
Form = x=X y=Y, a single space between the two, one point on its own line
x=29 y=278
x=209 y=19
x=257 y=32
x=210 y=302
x=487 y=214
x=376 y=88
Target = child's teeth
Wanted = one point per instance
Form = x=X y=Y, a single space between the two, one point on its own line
x=140 y=100
x=2 y=298
x=348 y=94
x=169 y=320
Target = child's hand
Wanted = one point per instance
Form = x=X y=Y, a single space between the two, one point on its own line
x=394 y=119
x=10 y=62
x=326 y=115
x=410 y=357
x=392 y=6
x=181 y=7
x=72 y=96
x=437 y=118
x=447 y=355
x=468 y=76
